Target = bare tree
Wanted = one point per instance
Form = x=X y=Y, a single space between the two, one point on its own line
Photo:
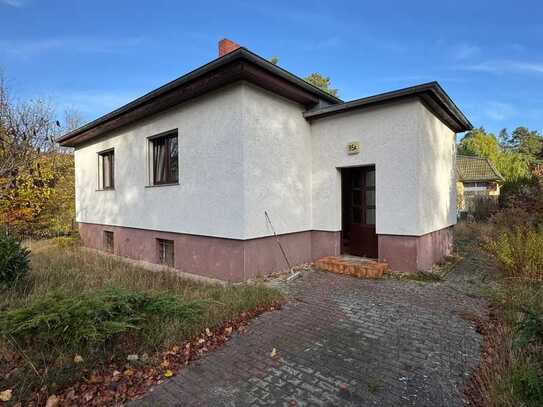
x=26 y=130
x=72 y=119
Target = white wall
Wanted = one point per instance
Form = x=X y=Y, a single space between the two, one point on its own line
x=243 y=150
x=402 y=140
x=209 y=199
x=277 y=164
x=437 y=174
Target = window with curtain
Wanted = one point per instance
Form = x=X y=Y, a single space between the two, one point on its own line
x=165 y=159
x=107 y=170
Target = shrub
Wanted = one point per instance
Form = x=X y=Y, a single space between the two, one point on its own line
x=14 y=260
x=511 y=217
x=529 y=329
x=483 y=207
x=91 y=319
x=519 y=252
x=66 y=242
x=526 y=383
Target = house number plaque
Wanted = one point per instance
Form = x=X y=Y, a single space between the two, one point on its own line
x=353 y=147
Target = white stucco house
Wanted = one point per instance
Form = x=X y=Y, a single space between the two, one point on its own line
x=184 y=175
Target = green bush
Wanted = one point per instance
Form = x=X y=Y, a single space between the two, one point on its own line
x=529 y=329
x=526 y=383
x=14 y=260
x=519 y=251
x=91 y=319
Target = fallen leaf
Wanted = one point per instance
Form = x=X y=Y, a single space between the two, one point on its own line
x=6 y=395
x=165 y=364
x=132 y=358
x=228 y=330
x=168 y=373
x=78 y=359
x=175 y=349
x=273 y=353
x=128 y=372
x=201 y=340
x=208 y=332
x=52 y=401
x=95 y=379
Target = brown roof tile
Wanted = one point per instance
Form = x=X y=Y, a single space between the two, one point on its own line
x=472 y=168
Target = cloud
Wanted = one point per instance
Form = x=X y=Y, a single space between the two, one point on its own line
x=498 y=67
x=30 y=48
x=14 y=3
x=499 y=111
x=465 y=51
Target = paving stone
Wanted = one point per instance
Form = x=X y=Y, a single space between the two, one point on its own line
x=341 y=341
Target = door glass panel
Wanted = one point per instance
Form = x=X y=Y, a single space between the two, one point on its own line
x=357 y=197
x=370 y=178
x=370 y=197
x=357 y=215
x=356 y=179
x=370 y=216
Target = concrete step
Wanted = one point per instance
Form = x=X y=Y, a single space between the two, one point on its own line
x=353 y=266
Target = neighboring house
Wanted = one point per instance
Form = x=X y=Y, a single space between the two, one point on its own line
x=476 y=178
x=184 y=175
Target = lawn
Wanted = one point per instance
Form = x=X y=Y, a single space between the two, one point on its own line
x=82 y=317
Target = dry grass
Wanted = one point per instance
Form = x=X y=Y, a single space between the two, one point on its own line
x=511 y=371
x=70 y=271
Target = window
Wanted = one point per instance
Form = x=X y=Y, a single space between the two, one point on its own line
x=106 y=162
x=482 y=185
x=165 y=252
x=108 y=241
x=165 y=168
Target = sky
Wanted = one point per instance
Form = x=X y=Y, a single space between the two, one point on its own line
x=94 y=56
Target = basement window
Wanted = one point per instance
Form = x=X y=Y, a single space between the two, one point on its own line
x=166 y=252
x=108 y=241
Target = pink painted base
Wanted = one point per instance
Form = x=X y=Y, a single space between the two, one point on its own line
x=413 y=253
x=238 y=260
x=224 y=259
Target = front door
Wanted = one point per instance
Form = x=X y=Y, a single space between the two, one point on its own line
x=358 y=196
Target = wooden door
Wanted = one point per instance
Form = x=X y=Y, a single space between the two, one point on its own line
x=359 y=237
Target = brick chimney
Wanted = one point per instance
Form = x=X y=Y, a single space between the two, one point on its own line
x=226 y=46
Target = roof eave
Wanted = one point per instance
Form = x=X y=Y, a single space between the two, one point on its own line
x=241 y=54
x=431 y=93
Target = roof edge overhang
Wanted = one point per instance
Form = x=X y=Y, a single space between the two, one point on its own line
x=431 y=95
x=237 y=65
x=481 y=180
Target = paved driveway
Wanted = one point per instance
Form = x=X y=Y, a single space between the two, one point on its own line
x=341 y=342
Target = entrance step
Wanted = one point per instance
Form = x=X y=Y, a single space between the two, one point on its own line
x=353 y=266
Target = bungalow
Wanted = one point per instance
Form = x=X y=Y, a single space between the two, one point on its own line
x=200 y=173
x=476 y=178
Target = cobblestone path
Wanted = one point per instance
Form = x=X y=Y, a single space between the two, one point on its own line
x=341 y=341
